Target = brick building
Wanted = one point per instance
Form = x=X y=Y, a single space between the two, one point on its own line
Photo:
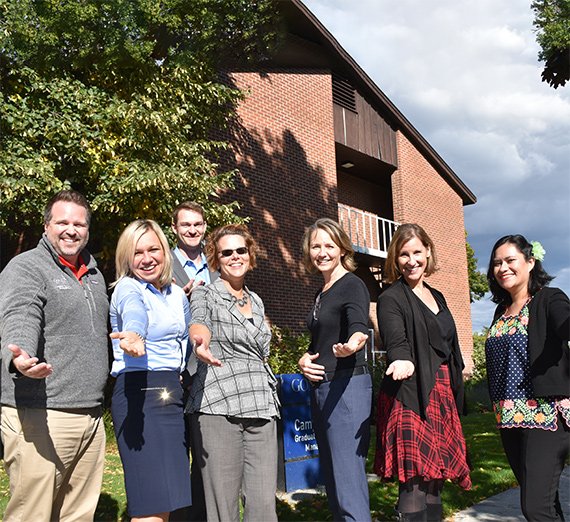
x=317 y=138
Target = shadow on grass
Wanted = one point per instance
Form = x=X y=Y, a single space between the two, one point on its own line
x=108 y=509
x=491 y=475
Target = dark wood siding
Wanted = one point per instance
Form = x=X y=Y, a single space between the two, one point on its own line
x=366 y=131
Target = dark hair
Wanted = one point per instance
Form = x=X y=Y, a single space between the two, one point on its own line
x=191 y=206
x=234 y=229
x=68 y=196
x=403 y=234
x=340 y=239
x=538 y=277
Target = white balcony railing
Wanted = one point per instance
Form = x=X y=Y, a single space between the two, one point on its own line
x=369 y=234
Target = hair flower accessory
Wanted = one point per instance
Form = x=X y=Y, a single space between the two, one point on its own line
x=537 y=251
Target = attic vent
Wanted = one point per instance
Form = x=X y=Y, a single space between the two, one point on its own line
x=344 y=94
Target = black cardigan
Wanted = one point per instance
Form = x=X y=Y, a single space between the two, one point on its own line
x=548 y=336
x=410 y=333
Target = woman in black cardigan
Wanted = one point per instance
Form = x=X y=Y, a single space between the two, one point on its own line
x=419 y=436
x=528 y=371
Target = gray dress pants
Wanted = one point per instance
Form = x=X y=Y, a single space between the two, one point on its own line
x=237 y=454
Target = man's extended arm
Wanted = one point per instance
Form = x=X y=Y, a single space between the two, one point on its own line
x=22 y=294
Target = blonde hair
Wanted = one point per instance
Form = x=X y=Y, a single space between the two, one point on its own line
x=340 y=239
x=126 y=246
x=234 y=229
x=403 y=234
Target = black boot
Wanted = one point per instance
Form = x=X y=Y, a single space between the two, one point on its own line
x=416 y=516
x=434 y=512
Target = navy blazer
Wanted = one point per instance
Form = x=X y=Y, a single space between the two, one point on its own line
x=410 y=333
x=548 y=336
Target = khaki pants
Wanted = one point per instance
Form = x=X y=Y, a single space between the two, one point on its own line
x=55 y=461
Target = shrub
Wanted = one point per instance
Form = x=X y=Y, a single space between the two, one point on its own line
x=479 y=362
x=476 y=388
x=286 y=349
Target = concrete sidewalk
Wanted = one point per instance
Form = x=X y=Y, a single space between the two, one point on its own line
x=505 y=507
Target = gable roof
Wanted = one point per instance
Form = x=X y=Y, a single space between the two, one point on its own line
x=301 y=22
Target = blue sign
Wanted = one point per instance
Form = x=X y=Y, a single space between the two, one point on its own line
x=298 y=435
x=303 y=474
x=301 y=462
x=295 y=388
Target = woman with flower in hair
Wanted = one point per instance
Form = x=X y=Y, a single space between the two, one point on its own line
x=528 y=368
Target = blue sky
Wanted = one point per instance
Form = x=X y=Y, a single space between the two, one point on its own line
x=467 y=76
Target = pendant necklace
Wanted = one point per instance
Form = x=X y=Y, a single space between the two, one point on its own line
x=240 y=302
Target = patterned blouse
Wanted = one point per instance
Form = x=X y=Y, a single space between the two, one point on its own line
x=244 y=386
x=510 y=386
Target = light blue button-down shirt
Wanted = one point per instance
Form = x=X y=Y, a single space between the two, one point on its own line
x=198 y=274
x=162 y=319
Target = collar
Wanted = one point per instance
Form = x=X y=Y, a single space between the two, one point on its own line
x=166 y=290
x=88 y=259
x=224 y=292
x=185 y=261
x=79 y=273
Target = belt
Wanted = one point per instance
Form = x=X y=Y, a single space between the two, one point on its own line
x=340 y=374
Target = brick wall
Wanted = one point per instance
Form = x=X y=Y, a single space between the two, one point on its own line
x=284 y=150
x=421 y=196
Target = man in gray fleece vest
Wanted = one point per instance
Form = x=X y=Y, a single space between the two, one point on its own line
x=53 y=339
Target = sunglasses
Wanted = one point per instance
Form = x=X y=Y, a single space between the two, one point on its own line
x=229 y=251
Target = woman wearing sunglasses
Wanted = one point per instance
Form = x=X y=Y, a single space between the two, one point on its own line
x=233 y=402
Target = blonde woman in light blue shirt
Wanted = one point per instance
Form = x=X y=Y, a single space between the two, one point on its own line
x=149 y=319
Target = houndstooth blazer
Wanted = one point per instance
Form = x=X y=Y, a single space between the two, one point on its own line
x=244 y=386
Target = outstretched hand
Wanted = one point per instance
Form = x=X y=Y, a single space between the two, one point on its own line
x=354 y=344
x=131 y=342
x=401 y=369
x=190 y=286
x=202 y=351
x=27 y=365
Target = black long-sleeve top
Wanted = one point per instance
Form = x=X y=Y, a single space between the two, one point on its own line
x=339 y=312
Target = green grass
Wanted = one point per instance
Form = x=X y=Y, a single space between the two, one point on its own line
x=491 y=474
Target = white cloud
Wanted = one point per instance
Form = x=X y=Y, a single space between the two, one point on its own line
x=482 y=313
x=562 y=280
x=467 y=77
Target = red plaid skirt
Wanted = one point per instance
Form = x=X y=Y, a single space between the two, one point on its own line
x=408 y=446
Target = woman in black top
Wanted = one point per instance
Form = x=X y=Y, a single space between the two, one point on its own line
x=419 y=436
x=341 y=394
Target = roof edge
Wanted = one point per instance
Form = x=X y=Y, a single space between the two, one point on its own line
x=405 y=125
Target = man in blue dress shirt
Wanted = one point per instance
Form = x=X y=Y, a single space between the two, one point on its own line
x=189 y=264
x=189 y=270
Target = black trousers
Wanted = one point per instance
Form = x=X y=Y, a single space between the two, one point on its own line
x=537 y=458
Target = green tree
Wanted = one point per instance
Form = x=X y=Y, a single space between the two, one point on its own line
x=478 y=284
x=479 y=360
x=552 y=25
x=118 y=99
